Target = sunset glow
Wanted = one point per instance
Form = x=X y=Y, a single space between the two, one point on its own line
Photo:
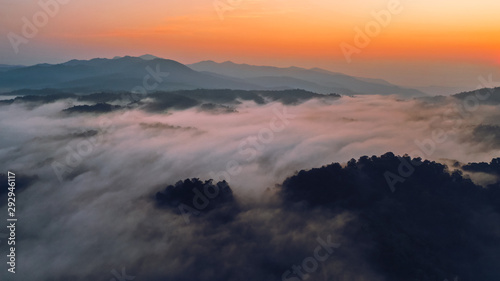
x=251 y=31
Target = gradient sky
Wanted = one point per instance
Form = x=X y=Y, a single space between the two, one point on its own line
x=448 y=43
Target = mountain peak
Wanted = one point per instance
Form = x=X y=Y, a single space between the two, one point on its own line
x=149 y=57
x=229 y=63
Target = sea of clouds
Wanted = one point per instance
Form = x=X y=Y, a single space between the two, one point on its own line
x=89 y=209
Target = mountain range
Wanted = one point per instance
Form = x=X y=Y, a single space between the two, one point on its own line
x=315 y=79
x=127 y=73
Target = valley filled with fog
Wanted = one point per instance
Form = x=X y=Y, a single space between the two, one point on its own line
x=91 y=170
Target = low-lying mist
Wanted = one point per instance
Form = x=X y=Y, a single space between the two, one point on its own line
x=88 y=204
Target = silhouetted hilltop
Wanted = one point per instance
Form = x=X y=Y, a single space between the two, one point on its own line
x=481 y=96
x=436 y=221
x=436 y=225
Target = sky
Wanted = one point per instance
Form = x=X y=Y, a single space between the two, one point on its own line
x=414 y=43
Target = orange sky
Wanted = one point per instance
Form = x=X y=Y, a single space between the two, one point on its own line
x=272 y=32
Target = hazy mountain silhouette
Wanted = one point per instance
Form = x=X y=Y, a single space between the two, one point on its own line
x=323 y=81
x=127 y=73
x=119 y=74
x=149 y=57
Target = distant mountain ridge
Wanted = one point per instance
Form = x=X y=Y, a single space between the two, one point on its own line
x=315 y=79
x=119 y=74
x=489 y=96
x=127 y=73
